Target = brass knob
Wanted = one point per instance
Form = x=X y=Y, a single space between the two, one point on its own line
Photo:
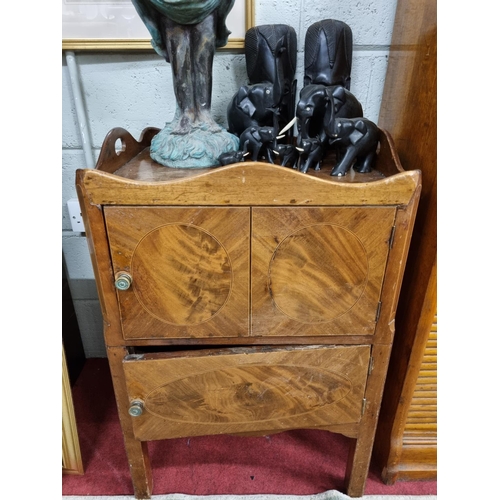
x=136 y=408
x=123 y=281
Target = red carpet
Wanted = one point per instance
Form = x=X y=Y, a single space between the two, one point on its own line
x=294 y=462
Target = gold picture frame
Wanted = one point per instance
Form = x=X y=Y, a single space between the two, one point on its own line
x=83 y=24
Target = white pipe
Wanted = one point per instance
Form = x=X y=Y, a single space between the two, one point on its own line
x=80 y=109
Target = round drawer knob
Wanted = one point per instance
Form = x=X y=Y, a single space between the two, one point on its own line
x=136 y=408
x=123 y=281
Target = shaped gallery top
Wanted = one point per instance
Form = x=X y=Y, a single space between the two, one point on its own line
x=125 y=174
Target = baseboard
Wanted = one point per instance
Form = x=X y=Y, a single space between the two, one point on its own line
x=417 y=462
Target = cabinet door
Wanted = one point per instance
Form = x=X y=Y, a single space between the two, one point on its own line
x=318 y=271
x=252 y=390
x=189 y=270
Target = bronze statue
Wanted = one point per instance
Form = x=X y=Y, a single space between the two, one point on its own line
x=186 y=33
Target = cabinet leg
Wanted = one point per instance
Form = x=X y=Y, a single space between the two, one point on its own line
x=140 y=468
x=358 y=464
x=137 y=451
x=360 y=451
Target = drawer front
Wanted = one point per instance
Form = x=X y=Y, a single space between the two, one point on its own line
x=234 y=391
x=189 y=269
x=318 y=271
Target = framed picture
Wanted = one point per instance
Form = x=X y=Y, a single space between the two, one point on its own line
x=115 y=25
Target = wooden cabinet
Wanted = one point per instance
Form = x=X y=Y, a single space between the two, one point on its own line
x=246 y=299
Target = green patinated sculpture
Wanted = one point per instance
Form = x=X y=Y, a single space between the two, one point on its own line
x=186 y=33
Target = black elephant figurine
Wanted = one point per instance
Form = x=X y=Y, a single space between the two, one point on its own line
x=258 y=141
x=271 y=56
x=328 y=54
x=357 y=139
x=288 y=154
x=312 y=152
x=318 y=105
x=232 y=157
x=252 y=106
x=271 y=60
x=271 y=53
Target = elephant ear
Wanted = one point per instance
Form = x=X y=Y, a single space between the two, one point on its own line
x=339 y=97
x=256 y=135
x=339 y=93
x=247 y=107
x=358 y=132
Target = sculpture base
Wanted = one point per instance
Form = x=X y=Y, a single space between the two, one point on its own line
x=199 y=148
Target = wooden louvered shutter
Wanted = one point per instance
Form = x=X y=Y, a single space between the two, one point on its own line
x=420 y=433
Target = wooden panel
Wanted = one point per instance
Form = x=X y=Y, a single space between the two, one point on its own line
x=418 y=459
x=189 y=266
x=421 y=421
x=318 y=271
x=71 y=455
x=409 y=111
x=242 y=184
x=245 y=391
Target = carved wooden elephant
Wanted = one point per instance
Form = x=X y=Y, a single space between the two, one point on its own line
x=271 y=53
x=271 y=56
x=231 y=157
x=357 y=139
x=252 y=106
x=287 y=153
x=258 y=141
x=328 y=53
x=312 y=152
x=318 y=105
x=271 y=60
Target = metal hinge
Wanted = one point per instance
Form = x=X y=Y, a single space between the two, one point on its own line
x=370 y=366
x=363 y=406
x=377 y=314
x=391 y=237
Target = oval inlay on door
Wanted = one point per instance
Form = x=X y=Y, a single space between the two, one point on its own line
x=318 y=273
x=251 y=393
x=181 y=274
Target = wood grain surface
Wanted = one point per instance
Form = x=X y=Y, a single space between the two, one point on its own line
x=189 y=266
x=251 y=183
x=228 y=392
x=251 y=253
x=409 y=111
x=71 y=455
x=318 y=271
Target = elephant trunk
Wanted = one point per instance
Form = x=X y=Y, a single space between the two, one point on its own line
x=329 y=118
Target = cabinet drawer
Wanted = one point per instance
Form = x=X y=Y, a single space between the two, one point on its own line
x=246 y=390
x=189 y=269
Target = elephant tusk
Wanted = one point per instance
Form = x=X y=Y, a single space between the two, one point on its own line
x=299 y=149
x=290 y=125
x=280 y=136
x=275 y=152
x=246 y=154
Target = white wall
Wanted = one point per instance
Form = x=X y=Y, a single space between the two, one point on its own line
x=134 y=90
